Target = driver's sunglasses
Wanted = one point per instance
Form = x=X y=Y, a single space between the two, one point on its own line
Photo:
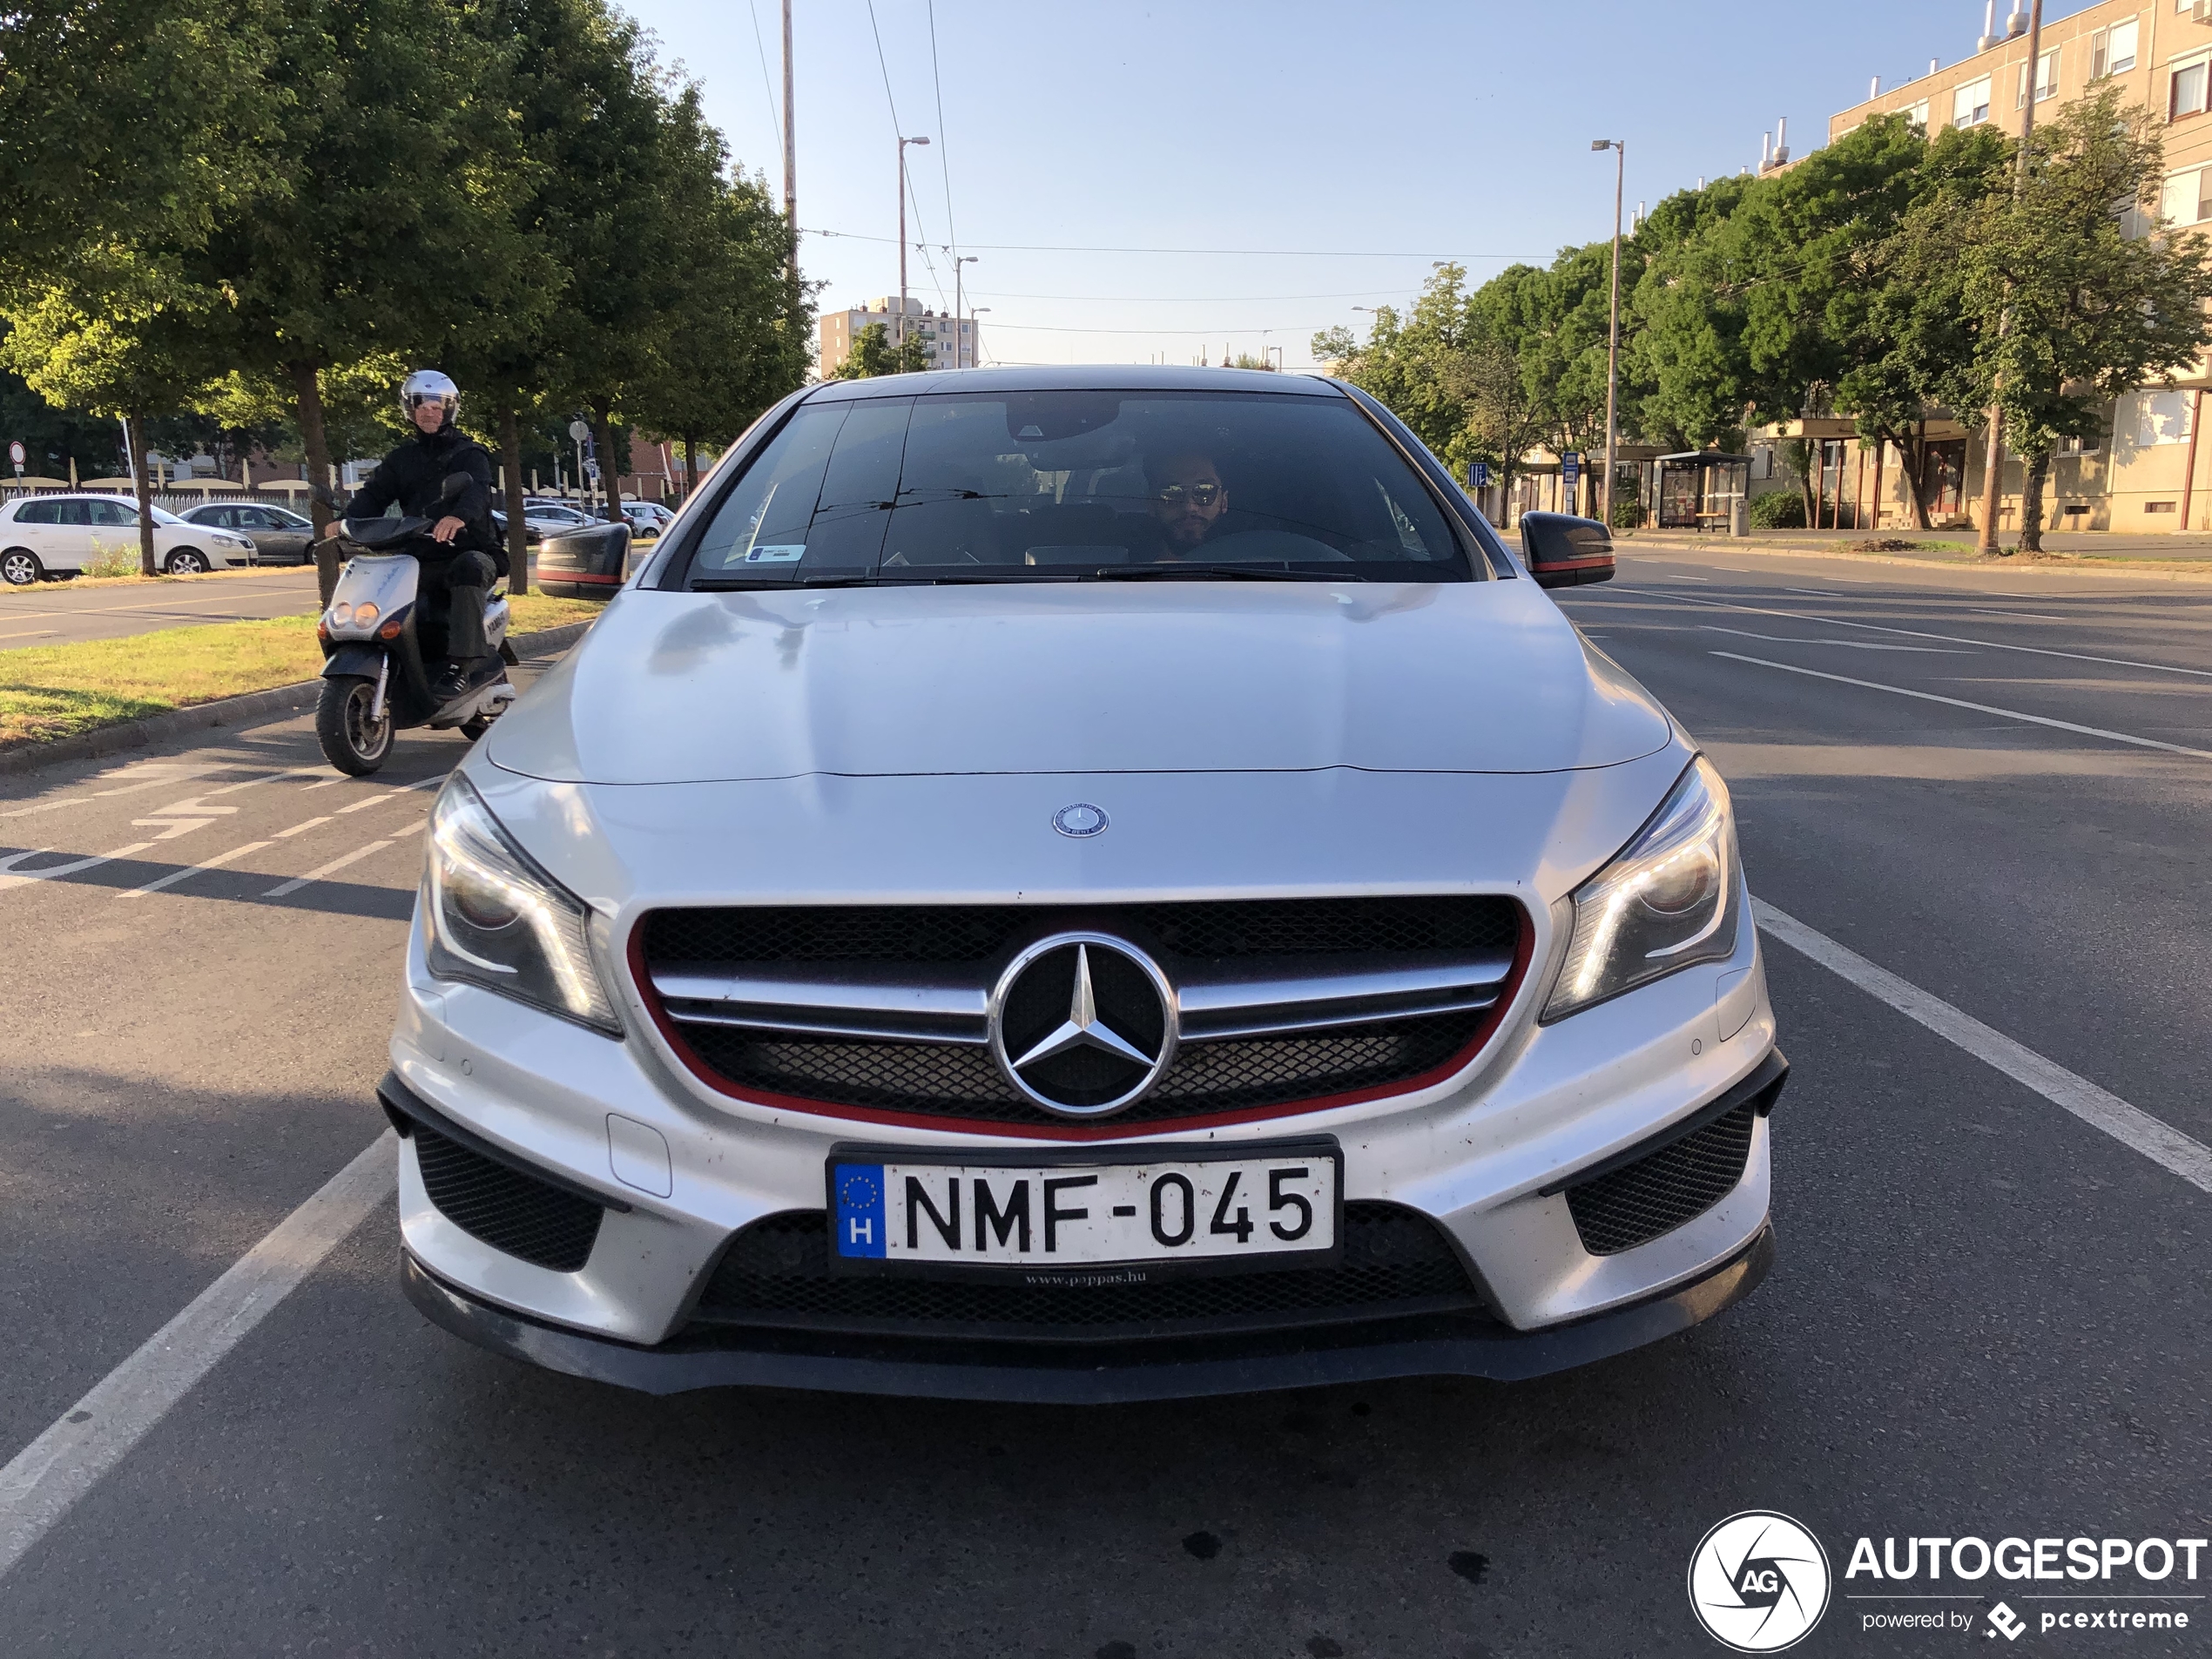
x=1197 y=495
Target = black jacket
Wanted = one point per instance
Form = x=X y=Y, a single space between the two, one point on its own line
x=415 y=474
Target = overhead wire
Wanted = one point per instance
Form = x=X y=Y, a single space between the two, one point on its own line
x=905 y=177
x=775 y=111
x=1261 y=252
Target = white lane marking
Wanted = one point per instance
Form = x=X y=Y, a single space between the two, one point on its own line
x=267 y=777
x=283 y=835
x=10 y=878
x=1917 y=633
x=1978 y=708
x=31 y=633
x=1670 y=577
x=162 y=775
x=404 y=789
x=2131 y=1126
x=411 y=828
x=45 y=1480
x=330 y=783
x=298 y=882
x=1848 y=645
x=175 y=876
x=2033 y=615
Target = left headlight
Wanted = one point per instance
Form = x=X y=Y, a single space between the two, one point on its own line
x=1666 y=902
x=496 y=920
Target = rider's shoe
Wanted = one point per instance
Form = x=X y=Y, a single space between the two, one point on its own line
x=459 y=676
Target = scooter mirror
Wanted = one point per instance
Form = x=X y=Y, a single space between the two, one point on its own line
x=455 y=485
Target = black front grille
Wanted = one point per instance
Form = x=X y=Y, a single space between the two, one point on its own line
x=1656 y=1194
x=957 y=1081
x=960 y=1080
x=776 y=1273
x=1211 y=931
x=506 y=1209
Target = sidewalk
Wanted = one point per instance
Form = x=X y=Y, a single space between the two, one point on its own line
x=1955 y=546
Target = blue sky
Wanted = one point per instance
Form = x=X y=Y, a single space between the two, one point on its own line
x=1337 y=149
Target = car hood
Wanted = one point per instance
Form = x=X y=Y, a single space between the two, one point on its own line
x=1483 y=676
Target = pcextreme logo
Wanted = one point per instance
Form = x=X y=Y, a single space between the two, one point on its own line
x=1758 y=1581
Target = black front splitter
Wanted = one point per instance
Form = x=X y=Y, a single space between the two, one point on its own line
x=1089 y=1374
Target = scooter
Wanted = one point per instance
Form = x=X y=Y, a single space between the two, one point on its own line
x=374 y=683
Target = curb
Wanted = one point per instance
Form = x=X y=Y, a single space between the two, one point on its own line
x=222 y=712
x=2088 y=564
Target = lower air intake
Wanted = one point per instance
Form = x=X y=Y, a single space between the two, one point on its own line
x=504 y=1207
x=1659 y=1192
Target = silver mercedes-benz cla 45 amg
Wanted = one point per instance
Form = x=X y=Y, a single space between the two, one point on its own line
x=1081 y=886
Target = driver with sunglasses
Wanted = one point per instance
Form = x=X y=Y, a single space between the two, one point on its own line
x=1188 y=499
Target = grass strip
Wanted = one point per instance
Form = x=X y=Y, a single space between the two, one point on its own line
x=49 y=692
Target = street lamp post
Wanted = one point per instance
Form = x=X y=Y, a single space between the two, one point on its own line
x=1620 y=148
x=959 y=345
x=903 y=143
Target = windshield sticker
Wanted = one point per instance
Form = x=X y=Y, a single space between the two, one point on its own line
x=776 y=553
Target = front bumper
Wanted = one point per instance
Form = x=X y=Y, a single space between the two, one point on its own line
x=1050 y=1373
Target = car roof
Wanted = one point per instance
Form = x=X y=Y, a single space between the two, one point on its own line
x=1079 y=377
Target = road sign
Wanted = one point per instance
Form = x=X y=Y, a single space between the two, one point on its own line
x=1478 y=475
x=579 y=431
x=591 y=470
x=1570 y=473
x=16 y=454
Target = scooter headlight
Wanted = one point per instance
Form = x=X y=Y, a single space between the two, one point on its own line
x=497 y=920
x=1666 y=902
x=342 y=616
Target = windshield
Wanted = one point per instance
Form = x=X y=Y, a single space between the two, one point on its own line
x=1078 y=484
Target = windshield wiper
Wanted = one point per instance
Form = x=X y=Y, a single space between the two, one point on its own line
x=1209 y=573
x=753 y=583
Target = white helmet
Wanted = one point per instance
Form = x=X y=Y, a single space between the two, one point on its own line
x=428 y=386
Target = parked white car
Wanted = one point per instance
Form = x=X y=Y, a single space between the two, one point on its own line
x=46 y=535
x=1083 y=885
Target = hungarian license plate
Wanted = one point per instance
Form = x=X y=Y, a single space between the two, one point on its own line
x=890 y=1207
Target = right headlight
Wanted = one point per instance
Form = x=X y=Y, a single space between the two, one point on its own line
x=496 y=920
x=1667 y=901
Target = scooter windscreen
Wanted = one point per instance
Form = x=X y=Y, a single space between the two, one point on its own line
x=373 y=590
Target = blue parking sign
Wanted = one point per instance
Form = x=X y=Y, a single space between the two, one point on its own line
x=1478 y=475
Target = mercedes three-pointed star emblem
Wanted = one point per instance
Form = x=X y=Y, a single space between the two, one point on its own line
x=1083 y=1024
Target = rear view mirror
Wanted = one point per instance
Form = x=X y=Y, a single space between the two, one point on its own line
x=455 y=485
x=1563 y=552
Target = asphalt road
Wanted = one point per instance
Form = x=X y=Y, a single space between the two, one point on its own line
x=1987 y=1317
x=58 y=613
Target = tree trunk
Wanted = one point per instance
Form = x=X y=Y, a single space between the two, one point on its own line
x=142 y=488
x=2035 y=468
x=510 y=459
x=1914 y=452
x=691 y=468
x=307 y=394
x=602 y=431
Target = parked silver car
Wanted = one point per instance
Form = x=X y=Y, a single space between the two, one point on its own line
x=278 y=535
x=57 y=534
x=1082 y=885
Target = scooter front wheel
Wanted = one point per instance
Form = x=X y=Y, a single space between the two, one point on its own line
x=351 y=740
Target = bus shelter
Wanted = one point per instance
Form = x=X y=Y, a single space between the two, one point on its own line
x=1698 y=488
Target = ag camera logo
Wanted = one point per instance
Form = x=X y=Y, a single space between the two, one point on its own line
x=1758 y=1583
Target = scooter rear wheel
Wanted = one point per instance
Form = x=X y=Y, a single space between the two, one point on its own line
x=351 y=741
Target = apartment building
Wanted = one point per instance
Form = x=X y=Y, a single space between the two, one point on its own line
x=951 y=340
x=2148 y=473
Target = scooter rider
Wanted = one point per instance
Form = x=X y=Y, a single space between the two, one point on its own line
x=464 y=555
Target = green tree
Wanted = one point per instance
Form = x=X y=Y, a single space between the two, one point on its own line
x=1911 y=343
x=873 y=353
x=2089 y=312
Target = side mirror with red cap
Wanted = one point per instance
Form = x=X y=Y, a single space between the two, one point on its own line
x=1562 y=552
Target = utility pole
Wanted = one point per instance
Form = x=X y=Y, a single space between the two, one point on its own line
x=960 y=343
x=901 y=338
x=1993 y=451
x=1620 y=148
x=791 y=158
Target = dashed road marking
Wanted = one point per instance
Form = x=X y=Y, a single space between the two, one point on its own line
x=10 y=877
x=335 y=865
x=1978 y=708
x=297 y=828
x=175 y=876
